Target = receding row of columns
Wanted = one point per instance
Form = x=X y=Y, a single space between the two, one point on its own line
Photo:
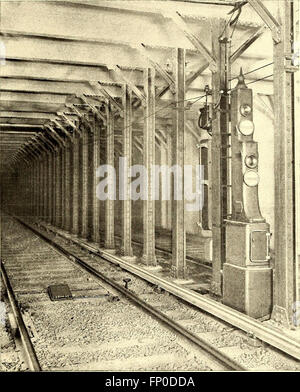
x=63 y=174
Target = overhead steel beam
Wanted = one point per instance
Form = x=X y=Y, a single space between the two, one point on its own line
x=65 y=131
x=107 y=16
x=117 y=70
x=33 y=97
x=42 y=107
x=56 y=136
x=195 y=75
x=60 y=87
x=106 y=92
x=83 y=52
x=22 y=121
x=246 y=44
x=180 y=23
x=26 y=115
x=61 y=72
x=159 y=69
x=268 y=18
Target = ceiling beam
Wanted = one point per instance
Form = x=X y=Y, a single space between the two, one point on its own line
x=22 y=121
x=246 y=44
x=180 y=23
x=267 y=18
x=25 y=115
x=59 y=71
x=43 y=107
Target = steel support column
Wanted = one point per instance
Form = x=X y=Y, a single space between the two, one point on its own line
x=68 y=186
x=162 y=213
x=109 y=203
x=90 y=169
x=96 y=164
x=45 y=188
x=169 y=159
x=63 y=199
x=179 y=268
x=40 y=188
x=297 y=150
x=84 y=189
x=149 y=257
x=124 y=177
x=34 y=187
x=53 y=188
x=49 y=187
x=75 y=187
x=31 y=188
x=58 y=189
x=37 y=199
x=219 y=151
x=285 y=260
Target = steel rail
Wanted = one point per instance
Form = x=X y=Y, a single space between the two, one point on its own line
x=271 y=335
x=223 y=359
x=28 y=347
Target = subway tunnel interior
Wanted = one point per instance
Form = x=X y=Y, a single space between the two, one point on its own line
x=100 y=100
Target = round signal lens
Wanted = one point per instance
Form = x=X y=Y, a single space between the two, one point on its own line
x=246 y=127
x=245 y=110
x=251 y=161
x=251 y=178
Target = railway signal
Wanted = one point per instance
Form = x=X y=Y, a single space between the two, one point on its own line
x=247 y=276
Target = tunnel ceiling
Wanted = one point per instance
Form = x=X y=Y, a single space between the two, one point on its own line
x=54 y=52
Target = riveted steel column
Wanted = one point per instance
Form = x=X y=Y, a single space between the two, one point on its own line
x=297 y=151
x=42 y=177
x=40 y=187
x=179 y=267
x=34 y=187
x=90 y=177
x=84 y=189
x=53 y=190
x=31 y=188
x=162 y=209
x=285 y=258
x=68 y=186
x=124 y=178
x=96 y=164
x=109 y=204
x=75 y=187
x=169 y=156
x=45 y=181
x=149 y=161
x=62 y=184
x=49 y=187
x=58 y=189
x=219 y=153
x=64 y=201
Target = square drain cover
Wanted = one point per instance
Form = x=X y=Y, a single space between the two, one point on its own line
x=59 y=292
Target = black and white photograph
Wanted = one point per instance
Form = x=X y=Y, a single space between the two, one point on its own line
x=149 y=189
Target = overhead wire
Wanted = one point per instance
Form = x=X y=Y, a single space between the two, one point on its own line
x=256 y=69
x=197 y=98
x=229 y=22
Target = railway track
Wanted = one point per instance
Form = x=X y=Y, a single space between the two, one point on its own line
x=199 y=335
x=265 y=331
x=28 y=297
